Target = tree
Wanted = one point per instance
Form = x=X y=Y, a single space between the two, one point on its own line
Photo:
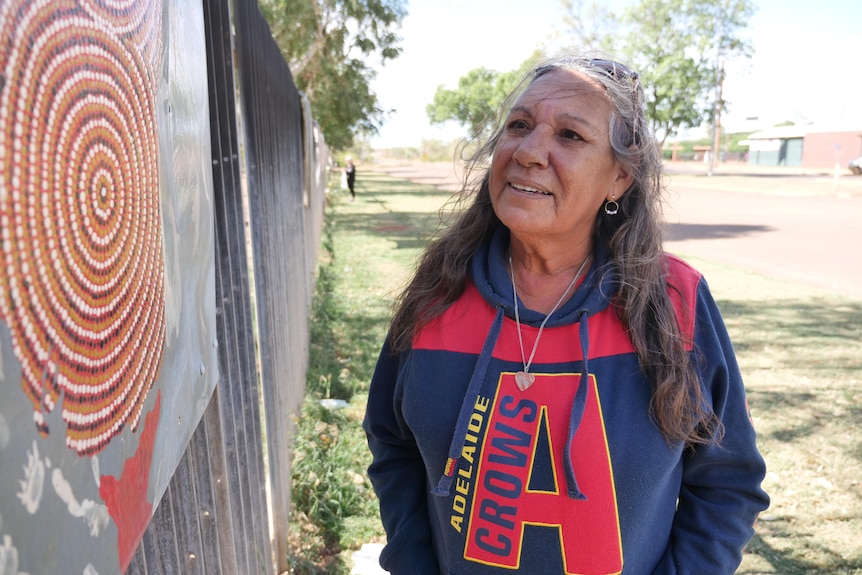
x=678 y=47
x=473 y=101
x=681 y=46
x=592 y=26
x=658 y=44
x=478 y=98
x=327 y=43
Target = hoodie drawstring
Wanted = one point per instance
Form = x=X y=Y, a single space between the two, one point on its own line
x=470 y=396
x=578 y=407
x=577 y=412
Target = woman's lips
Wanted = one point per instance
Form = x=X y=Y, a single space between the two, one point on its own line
x=529 y=189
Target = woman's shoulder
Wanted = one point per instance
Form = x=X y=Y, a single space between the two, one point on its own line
x=683 y=281
x=462 y=327
x=680 y=273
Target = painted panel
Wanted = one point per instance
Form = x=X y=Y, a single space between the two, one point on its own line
x=107 y=297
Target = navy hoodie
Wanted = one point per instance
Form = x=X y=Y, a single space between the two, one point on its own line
x=570 y=476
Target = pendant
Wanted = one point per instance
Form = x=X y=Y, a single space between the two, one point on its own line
x=524 y=380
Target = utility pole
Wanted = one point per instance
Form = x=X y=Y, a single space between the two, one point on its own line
x=716 y=122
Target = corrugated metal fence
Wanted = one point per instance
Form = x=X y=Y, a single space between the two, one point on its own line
x=226 y=508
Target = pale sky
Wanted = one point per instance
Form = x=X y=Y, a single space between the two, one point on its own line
x=807 y=65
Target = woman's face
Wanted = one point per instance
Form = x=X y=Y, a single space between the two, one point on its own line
x=553 y=166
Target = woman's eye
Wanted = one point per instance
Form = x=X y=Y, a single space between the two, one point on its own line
x=517 y=125
x=570 y=135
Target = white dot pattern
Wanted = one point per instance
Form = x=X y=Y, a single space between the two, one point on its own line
x=81 y=266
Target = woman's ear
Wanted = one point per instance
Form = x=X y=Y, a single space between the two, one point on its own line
x=622 y=182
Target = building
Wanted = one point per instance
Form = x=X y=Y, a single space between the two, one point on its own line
x=804 y=146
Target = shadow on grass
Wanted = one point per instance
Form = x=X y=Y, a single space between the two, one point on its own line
x=339 y=343
x=787 y=561
x=820 y=340
x=383 y=186
x=806 y=355
x=820 y=334
x=407 y=229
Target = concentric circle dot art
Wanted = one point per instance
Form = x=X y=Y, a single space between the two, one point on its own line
x=81 y=263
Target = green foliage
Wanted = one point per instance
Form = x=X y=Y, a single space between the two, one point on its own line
x=478 y=97
x=675 y=85
x=361 y=152
x=475 y=99
x=729 y=143
x=733 y=142
x=685 y=148
x=408 y=154
x=326 y=44
x=429 y=150
x=437 y=150
x=328 y=482
x=678 y=46
x=326 y=487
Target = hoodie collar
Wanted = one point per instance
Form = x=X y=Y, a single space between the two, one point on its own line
x=491 y=277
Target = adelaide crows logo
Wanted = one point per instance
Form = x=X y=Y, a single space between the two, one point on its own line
x=518 y=480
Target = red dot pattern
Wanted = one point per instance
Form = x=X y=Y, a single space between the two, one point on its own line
x=81 y=262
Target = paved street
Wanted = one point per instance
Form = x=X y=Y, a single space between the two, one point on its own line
x=803 y=227
x=788 y=223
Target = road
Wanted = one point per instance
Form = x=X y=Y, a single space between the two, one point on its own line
x=800 y=228
x=798 y=225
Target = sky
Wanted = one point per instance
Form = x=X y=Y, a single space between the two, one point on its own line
x=807 y=66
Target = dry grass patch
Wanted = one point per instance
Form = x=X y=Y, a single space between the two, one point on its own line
x=800 y=351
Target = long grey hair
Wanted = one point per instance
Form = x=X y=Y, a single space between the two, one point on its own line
x=633 y=237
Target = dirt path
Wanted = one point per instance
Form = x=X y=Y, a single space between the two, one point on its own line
x=792 y=224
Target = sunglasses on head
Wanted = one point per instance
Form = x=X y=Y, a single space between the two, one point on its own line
x=615 y=70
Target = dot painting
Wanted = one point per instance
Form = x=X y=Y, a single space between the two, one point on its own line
x=81 y=262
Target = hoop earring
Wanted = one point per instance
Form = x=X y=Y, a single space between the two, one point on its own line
x=611 y=207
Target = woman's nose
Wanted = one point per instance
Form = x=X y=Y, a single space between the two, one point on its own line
x=533 y=149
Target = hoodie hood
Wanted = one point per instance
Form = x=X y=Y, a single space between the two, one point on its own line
x=491 y=277
x=490 y=274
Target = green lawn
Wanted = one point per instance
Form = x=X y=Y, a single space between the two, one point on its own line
x=801 y=356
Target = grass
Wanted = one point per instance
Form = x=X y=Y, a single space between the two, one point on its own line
x=369 y=247
x=801 y=355
x=800 y=350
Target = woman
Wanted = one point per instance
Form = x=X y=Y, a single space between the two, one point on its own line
x=557 y=395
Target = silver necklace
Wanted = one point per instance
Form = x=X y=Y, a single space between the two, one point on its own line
x=524 y=379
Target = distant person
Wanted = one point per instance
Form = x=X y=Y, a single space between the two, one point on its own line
x=556 y=393
x=350 y=172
